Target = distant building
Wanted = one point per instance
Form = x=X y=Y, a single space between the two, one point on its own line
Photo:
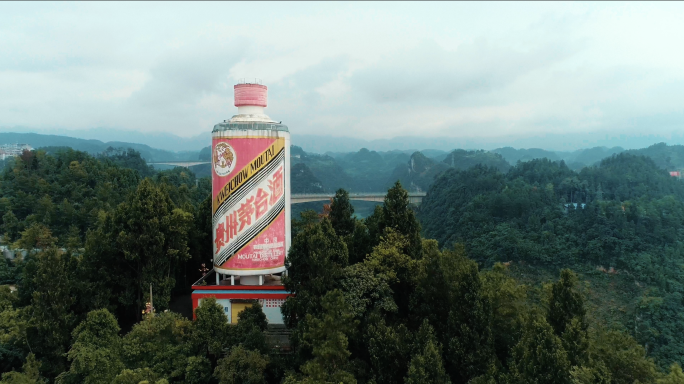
x=13 y=150
x=574 y=205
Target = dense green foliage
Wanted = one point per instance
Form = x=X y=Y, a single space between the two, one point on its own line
x=374 y=302
x=390 y=312
x=94 y=234
x=623 y=217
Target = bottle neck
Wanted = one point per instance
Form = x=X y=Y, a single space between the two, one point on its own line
x=250 y=110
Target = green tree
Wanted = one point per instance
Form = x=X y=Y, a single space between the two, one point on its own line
x=329 y=337
x=359 y=243
x=73 y=240
x=8 y=271
x=10 y=226
x=198 y=370
x=253 y=316
x=137 y=376
x=52 y=315
x=342 y=214
x=624 y=358
x=96 y=352
x=307 y=219
x=30 y=374
x=242 y=366
x=539 y=357
x=160 y=343
x=389 y=349
x=140 y=244
x=426 y=364
x=508 y=300
x=366 y=289
x=211 y=332
x=676 y=376
x=450 y=294
x=576 y=342
x=565 y=302
x=567 y=317
x=397 y=214
x=250 y=328
x=596 y=373
x=315 y=264
x=13 y=346
x=37 y=236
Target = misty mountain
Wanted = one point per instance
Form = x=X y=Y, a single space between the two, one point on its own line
x=323 y=167
x=367 y=170
x=94 y=147
x=513 y=155
x=205 y=154
x=559 y=143
x=589 y=156
x=667 y=157
x=462 y=159
x=160 y=140
x=360 y=171
x=418 y=174
x=304 y=181
x=574 y=159
x=410 y=144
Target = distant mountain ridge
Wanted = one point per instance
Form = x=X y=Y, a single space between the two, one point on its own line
x=159 y=140
x=148 y=153
x=557 y=143
x=368 y=170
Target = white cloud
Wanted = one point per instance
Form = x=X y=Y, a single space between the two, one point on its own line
x=358 y=69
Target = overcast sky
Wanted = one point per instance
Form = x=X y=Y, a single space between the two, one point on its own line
x=365 y=70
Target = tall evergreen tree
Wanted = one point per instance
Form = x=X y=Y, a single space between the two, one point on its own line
x=508 y=300
x=342 y=214
x=426 y=364
x=397 y=214
x=539 y=357
x=565 y=302
x=52 y=309
x=567 y=316
x=315 y=263
x=328 y=335
x=389 y=349
x=450 y=295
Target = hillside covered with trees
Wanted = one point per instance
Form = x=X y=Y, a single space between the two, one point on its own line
x=377 y=301
x=620 y=223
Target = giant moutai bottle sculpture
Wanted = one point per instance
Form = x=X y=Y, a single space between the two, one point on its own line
x=251 y=188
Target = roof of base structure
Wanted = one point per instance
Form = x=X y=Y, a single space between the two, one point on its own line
x=208 y=281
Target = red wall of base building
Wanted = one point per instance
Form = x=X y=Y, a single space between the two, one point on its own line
x=254 y=292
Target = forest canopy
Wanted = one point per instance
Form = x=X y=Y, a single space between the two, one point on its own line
x=509 y=290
